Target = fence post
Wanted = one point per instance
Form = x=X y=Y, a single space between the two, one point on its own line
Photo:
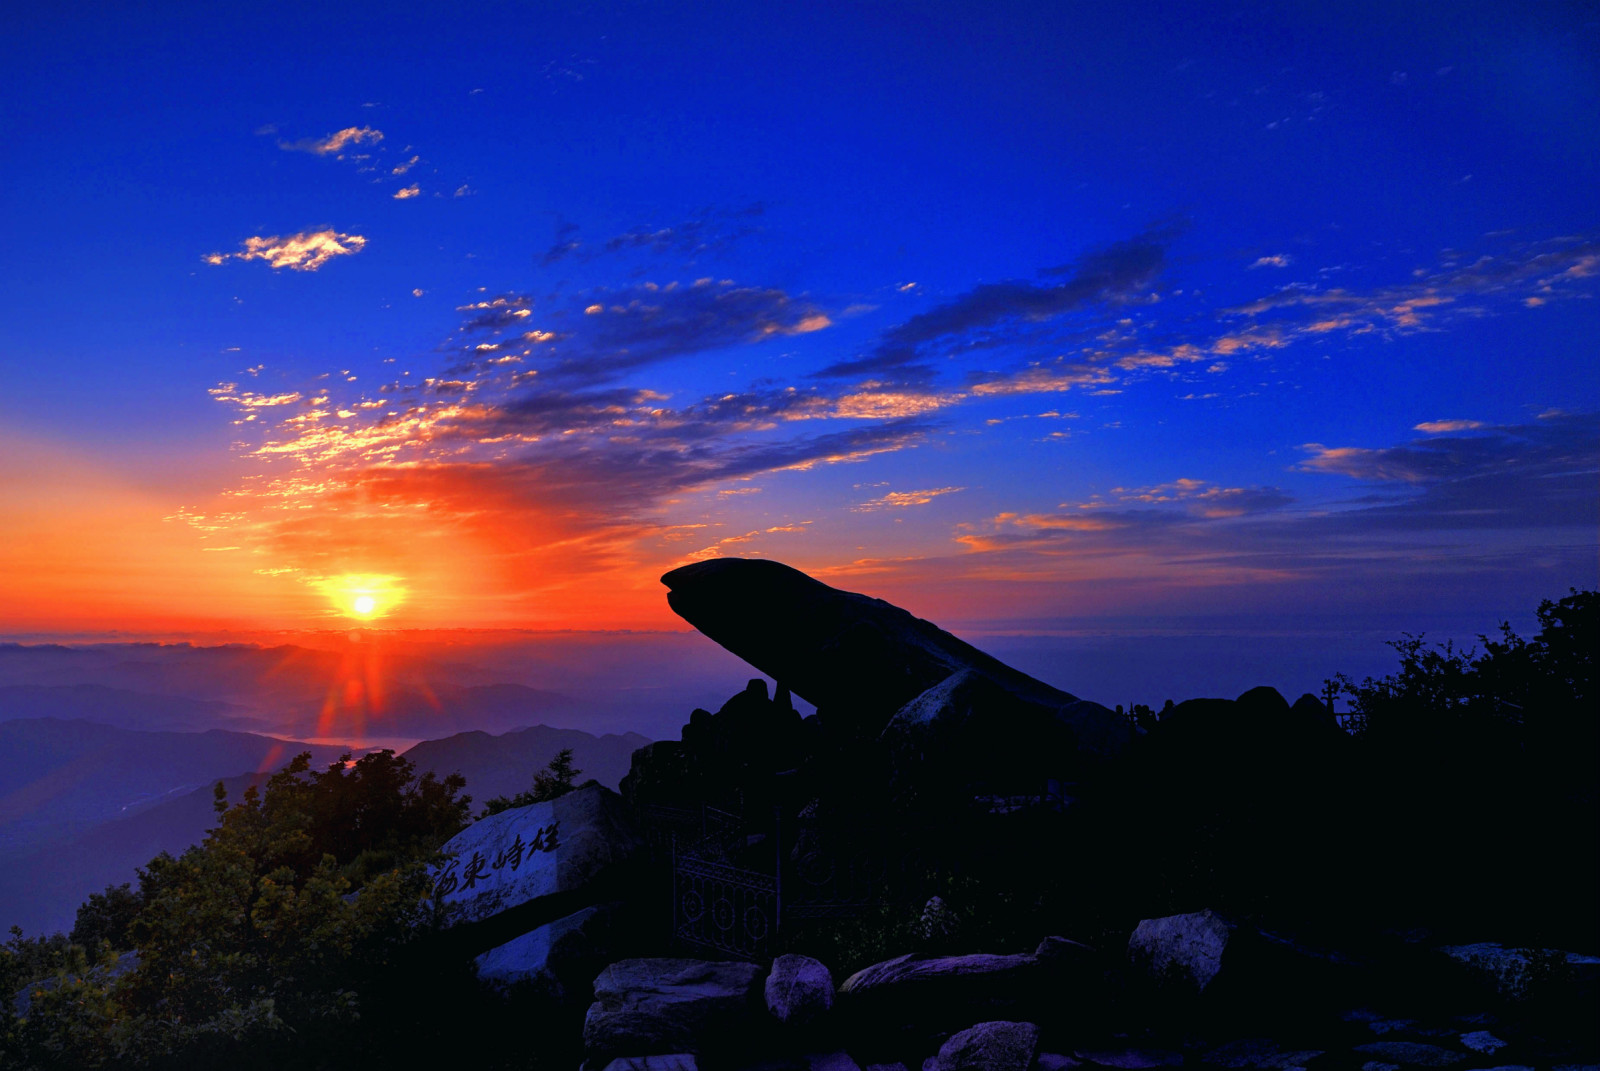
x=777 y=873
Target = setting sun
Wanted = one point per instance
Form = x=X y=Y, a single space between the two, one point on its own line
x=362 y=595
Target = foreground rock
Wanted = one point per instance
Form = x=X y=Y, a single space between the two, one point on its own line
x=932 y=991
x=1526 y=973
x=848 y=652
x=1182 y=951
x=799 y=990
x=992 y=1046
x=560 y=957
x=648 y=1007
x=521 y=868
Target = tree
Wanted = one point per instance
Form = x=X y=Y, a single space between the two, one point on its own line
x=284 y=927
x=556 y=779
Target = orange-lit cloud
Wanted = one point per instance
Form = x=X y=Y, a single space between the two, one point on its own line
x=334 y=143
x=306 y=251
x=902 y=499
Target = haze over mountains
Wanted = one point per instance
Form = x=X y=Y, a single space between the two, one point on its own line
x=108 y=752
x=111 y=749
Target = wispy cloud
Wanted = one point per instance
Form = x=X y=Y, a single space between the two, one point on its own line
x=407 y=192
x=306 y=251
x=334 y=143
x=903 y=499
x=983 y=316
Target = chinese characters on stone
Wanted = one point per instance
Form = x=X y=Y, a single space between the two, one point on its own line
x=547 y=839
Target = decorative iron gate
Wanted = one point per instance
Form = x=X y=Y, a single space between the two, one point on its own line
x=727 y=908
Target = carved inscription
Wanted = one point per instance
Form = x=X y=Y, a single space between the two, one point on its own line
x=479 y=868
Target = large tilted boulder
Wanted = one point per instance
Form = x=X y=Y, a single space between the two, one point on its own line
x=845 y=652
x=645 y=1007
x=521 y=868
x=930 y=991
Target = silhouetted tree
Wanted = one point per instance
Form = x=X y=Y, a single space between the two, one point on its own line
x=556 y=779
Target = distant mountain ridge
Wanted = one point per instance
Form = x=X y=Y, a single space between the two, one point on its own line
x=504 y=765
x=61 y=776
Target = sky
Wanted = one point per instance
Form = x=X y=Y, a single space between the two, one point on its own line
x=1027 y=317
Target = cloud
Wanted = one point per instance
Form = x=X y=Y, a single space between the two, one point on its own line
x=408 y=192
x=1111 y=275
x=600 y=334
x=1279 y=260
x=306 y=251
x=712 y=231
x=902 y=499
x=1538 y=475
x=336 y=142
x=1439 y=427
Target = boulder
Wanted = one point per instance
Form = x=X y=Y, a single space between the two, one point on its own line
x=531 y=865
x=663 y=1006
x=852 y=654
x=1130 y=1058
x=972 y=727
x=677 y=1061
x=928 y=991
x=559 y=955
x=991 y=1046
x=1182 y=951
x=1259 y=1054
x=1410 y=1054
x=831 y=1061
x=799 y=990
x=1482 y=1041
x=1525 y=973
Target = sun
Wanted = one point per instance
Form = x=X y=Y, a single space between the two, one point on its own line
x=363 y=595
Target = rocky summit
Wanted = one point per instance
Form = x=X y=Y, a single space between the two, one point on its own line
x=855 y=656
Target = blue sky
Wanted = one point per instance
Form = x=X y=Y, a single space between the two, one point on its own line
x=1013 y=313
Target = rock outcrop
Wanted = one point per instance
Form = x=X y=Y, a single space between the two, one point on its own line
x=648 y=1007
x=862 y=657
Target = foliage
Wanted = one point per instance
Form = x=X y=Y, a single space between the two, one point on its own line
x=288 y=923
x=1545 y=684
x=554 y=780
x=106 y=917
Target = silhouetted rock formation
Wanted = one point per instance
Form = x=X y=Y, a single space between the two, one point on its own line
x=872 y=665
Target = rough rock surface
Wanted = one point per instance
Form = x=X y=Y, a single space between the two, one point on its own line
x=991 y=1046
x=527 y=854
x=663 y=1006
x=677 y=1061
x=843 y=651
x=1520 y=973
x=553 y=953
x=1185 y=950
x=799 y=990
x=1410 y=1054
x=929 y=990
